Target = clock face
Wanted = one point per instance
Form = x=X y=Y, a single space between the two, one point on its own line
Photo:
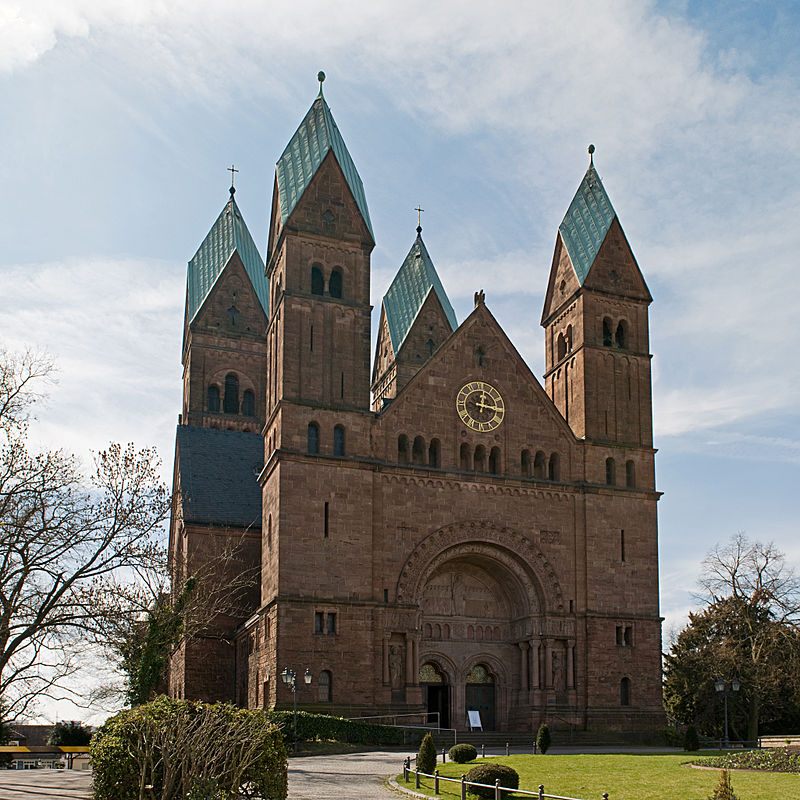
x=480 y=406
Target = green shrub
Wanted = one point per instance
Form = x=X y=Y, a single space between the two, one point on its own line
x=461 y=753
x=186 y=749
x=326 y=728
x=724 y=790
x=488 y=773
x=672 y=737
x=543 y=739
x=690 y=740
x=426 y=758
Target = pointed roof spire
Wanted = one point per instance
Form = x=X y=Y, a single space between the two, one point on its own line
x=228 y=234
x=299 y=162
x=414 y=281
x=587 y=221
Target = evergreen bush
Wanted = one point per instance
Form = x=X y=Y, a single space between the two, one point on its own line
x=327 y=728
x=543 y=739
x=690 y=740
x=487 y=773
x=724 y=790
x=426 y=758
x=462 y=753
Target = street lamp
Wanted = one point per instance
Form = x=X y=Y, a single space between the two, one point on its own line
x=722 y=688
x=289 y=677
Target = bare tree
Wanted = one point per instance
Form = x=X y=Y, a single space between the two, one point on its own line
x=754 y=573
x=66 y=540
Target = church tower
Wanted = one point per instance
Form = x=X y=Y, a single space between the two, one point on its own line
x=320 y=241
x=416 y=317
x=223 y=329
x=596 y=334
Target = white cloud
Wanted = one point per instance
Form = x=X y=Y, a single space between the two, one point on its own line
x=112 y=327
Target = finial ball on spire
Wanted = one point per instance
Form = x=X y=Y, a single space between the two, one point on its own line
x=591 y=149
x=321 y=76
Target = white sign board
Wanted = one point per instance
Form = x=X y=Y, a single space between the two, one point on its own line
x=474 y=720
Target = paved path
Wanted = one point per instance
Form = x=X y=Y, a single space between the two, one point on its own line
x=45 y=784
x=355 y=776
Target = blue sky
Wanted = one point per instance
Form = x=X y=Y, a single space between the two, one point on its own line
x=120 y=118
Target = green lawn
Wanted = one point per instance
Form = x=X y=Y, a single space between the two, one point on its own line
x=624 y=777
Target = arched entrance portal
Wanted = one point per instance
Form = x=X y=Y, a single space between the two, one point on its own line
x=479 y=695
x=436 y=694
x=474 y=600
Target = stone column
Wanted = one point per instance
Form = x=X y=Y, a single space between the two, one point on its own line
x=386 y=676
x=523 y=666
x=548 y=665
x=409 y=660
x=535 y=665
x=570 y=665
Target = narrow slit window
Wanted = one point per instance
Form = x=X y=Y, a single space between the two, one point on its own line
x=325 y=518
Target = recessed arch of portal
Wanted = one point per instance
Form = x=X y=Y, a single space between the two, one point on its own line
x=444 y=666
x=503 y=562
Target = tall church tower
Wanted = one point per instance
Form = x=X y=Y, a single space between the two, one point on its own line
x=316 y=518
x=320 y=241
x=596 y=333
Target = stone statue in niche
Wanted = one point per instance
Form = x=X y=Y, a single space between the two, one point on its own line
x=396 y=666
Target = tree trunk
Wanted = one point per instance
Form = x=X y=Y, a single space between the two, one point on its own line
x=752 y=717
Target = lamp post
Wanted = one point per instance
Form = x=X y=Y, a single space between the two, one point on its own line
x=289 y=677
x=725 y=689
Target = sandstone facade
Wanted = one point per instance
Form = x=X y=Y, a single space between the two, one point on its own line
x=439 y=547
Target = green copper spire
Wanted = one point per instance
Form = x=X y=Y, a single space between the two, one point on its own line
x=587 y=221
x=300 y=160
x=412 y=284
x=228 y=234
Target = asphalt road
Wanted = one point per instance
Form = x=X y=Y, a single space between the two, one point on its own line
x=38 y=784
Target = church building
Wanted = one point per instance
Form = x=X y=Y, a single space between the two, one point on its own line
x=430 y=530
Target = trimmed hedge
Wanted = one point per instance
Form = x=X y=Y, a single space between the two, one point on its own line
x=462 y=753
x=488 y=773
x=321 y=727
x=188 y=750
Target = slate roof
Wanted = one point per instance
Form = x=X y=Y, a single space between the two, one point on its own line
x=586 y=223
x=219 y=476
x=228 y=234
x=414 y=280
x=300 y=160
